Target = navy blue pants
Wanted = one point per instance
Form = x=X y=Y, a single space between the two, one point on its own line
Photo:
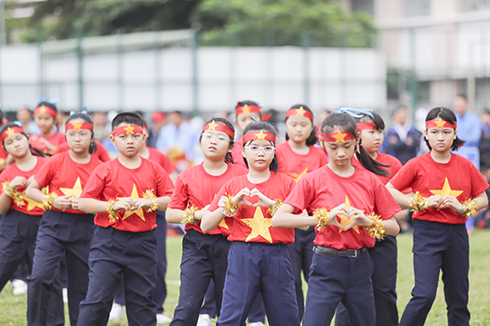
x=259 y=268
x=384 y=255
x=160 y=293
x=204 y=257
x=439 y=246
x=116 y=255
x=340 y=279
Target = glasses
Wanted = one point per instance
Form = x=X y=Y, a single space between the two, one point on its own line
x=82 y=134
x=219 y=138
x=256 y=149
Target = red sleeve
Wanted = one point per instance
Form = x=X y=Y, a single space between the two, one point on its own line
x=95 y=184
x=165 y=186
x=214 y=204
x=46 y=174
x=180 y=195
x=61 y=148
x=5 y=176
x=301 y=195
x=405 y=177
x=385 y=205
x=478 y=182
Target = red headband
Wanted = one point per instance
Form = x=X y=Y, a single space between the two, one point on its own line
x=129 y=129
x=338 y=137
x=259 y=136
x=45 y=109
x=10 y=131
x=247 y=109
x=300 y=112
x=366 y=126
x=79 y=126
x=439 y=123
x=219 y=127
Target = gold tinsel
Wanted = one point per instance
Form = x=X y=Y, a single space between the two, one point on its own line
x=471 y=207
x=229 y=209
x=48 y=200
x=154 y=201
x=188 y=217
x=17 y=196
x=113 y=216
x=418 y=203
x=322 y=215
x=377 y=230
x=273 y=209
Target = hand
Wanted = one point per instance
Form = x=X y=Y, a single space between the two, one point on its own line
x=452 y=203
x=30 y=180
x=124 y=204
x=140 y=203
x=62 y=202
x=74 y=202
x=264 y=201
x=359 y=218
x=239 y=198
x=341 y=209
x=47 y=143
x=200 y=213
x=18 y=181
x=435 y=201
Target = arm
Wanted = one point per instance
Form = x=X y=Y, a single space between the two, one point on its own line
x=6 y=200
x=400 y=198
x=211 y=220
x=175 y=215
x=284 y=218
x=94 y=206
x=34 y=192
x=390 y=225
x=455 y=205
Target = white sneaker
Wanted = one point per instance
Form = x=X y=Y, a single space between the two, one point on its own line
x=117 y=312
x=163 y=319
x=65 y=295
x=256 y=323
x=19 y=287
x=204 y=320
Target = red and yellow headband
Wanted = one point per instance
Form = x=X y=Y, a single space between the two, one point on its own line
x=79 y=126
x=247 y=109
x=45 y=110
x=439 y=123
x=219 y=127
x=129 y=129
x=338 y=137
x=258 y=136
x=300 y=112
x=10 y=131
x=366 y=126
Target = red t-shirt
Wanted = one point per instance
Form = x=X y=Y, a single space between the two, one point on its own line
x=31 y=207
x=297 y=165
x=112 y=180
x=161 y=159
x=362 y=190
x=195 y=186
x=236 y=153
x=56 y=139
x=458 y=178
x=253 y=224
x=101 y=153
x=3 y=158
x=394 y=165
x=66 y=177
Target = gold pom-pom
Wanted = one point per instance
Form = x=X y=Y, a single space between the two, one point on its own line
x=322 y=215
x=188 y=217
x=113 y=216
x=154 y=200
x=273 y=209
x=418 y=203
x=227 y=207
x=377 y=229
x=18 y=197
x=471 y=207
x=48 y=200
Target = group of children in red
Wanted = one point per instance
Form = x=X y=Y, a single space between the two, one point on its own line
x=240 y=208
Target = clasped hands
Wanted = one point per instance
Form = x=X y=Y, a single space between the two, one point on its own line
x=354 y=215
x=446 y=202
x=264 y=201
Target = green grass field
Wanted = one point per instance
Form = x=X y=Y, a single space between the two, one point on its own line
x=12 y=309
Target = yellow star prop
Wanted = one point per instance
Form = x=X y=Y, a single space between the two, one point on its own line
x=246 y=108
x=76 y=190
x=129 y=129
x=340 y=137
x=212 y=125
x=223 y=224
x=77 y=126
x=139 y=212
x=301 y=111
x=440 y=123
x=31 y=204
x=446 y=190
x=259 y=225
x=10 y=132
x=42 y=109
x=261 y=135
x=345 y=220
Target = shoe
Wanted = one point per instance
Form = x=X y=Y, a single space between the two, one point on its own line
x=256 y=323
x=163 y=319
x=65 y=295
x=19 y=287
x=117 y=312
x=204 y=320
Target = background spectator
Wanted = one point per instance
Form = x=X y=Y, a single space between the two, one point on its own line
x=469 y=129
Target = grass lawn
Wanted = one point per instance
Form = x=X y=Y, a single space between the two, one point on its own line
x=12 y=309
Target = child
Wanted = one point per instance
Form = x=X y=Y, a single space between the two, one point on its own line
x=297 y=157
x=205 y=254
x=64 y=227
x=125 y=193
x=45 y=117
x=448 y=189
x=345 y=202
x=258 y=261
x=246 y=112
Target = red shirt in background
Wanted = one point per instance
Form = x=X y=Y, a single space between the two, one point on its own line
x=297 y=165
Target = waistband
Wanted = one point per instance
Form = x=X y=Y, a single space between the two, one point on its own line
x=349 y=253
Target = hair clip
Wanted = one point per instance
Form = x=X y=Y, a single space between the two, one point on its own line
x=254 y=119
x=18 y=123
x=355 y=112
x=84 y=111
x=53 y=101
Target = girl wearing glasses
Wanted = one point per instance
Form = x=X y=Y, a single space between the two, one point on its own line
x=258 y=261
x=64 y=228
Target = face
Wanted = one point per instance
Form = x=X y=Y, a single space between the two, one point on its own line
x=215 y=144
x=340 y=153
x=44 y=121
x=128 y=145
x=17 y=145
x=99 y=118
x=401 y=116
x=485 y=118
x=371 y=139
x=244 y=119
x=78 y=140
x=460 y=105
x=299 y=128
x=440 y=139
x=259 y=154
x=24 y=116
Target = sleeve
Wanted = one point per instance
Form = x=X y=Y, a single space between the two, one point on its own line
x=4 y=176
x=301 y=195
x=46 y=173
x=95 y=184
x=405 y=177
x=165 y=186
x=180 y=196
x=385 y=204
x=478 y=182
x=214 y=204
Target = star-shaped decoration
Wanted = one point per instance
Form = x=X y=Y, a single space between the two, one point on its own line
x=223 y=224
x=129 y=129
x=301 y=111
x=31 y=204
x=246 y=108
x=345 y=220
x=446 y=190
x=212 y=125
x=440 y=123
x=295 y=176
x=259 y=225
x=261 y=135
x=340 y=137
x=76 y=190
x=139 y=212
x=43 y=109
x=77 y=126
x=10 y=132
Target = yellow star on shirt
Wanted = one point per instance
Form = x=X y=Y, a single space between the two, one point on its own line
x=77 y=126
x=246 y=108
x=129 y=129
x=223 y=224
x=339 y=137
x=301 y=111
x=76 y=190
x=10 y=132
x=212 y=125
x=261 y=135
x=345 y=220
x=440 y=123
x=31 y=204
x=259 y=225
x=446 y=190
x=139 y=212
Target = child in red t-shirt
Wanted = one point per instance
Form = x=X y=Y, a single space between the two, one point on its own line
x=297 y=157
x=204 y=256
x=45 y=117
x=345 y=202
x=258 y=261
x=64 y=229
x=124 y=193
x=448 y=189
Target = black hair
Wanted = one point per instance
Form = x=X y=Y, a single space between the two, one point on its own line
x=249 y=103
x=257 y=126
x=1 y=117
x=85 y=117
x=312 y=139
x=49 y=105
x=348 y=124
x=34 y=151
x=127 y=117
x=223 y=121
x=449 y=116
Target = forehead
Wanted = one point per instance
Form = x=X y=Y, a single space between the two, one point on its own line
x=298 y=119
x=248 y=115
x=261 y=143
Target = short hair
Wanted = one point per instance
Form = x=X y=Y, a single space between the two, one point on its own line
x=127 y=117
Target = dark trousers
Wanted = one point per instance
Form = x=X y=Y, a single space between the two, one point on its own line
x=116 y=255
x=59 y=233
x=204 y=258
x=384 y=256
x=254 y=268
x=439 y=246
x=339 y=279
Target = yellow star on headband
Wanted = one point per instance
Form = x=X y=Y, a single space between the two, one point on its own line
x=345 y=220
x=340 y=137
x=10 y=131
x=77 y=126
x=446 y=190
x=212 y=125
x=139 y=212
x=246 y=108
x=300 y=111
x=261 y=135
x=43 y=109
x=259 y=225
x=129 y=129
x=440 y=123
